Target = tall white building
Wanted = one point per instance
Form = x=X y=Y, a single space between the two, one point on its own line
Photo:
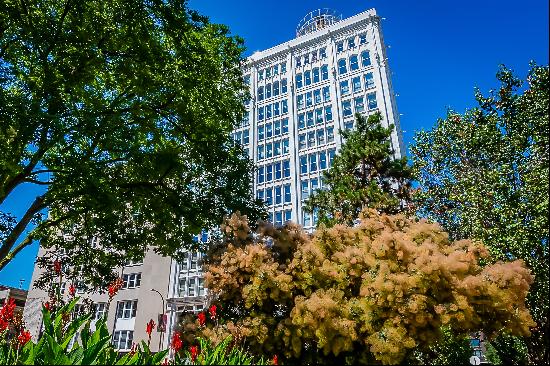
x=303 y=92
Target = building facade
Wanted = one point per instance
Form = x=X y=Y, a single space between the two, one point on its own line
x=303 y=93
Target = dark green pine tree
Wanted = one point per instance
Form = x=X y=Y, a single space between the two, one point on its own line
x=364 y=174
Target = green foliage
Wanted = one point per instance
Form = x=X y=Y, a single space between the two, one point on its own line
x=485 y=174
x=122 y=112
x=507 y=350
x=451 y=349
x=223 y=353
x=364 y=174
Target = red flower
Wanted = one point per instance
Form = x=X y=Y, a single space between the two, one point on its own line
x=72 y=290
x=6 y=313
x=212 y=311
x=114 y=287
x=23 y=337
x=47 y=305
x=57 y=266
x=3 y=325
x=194 y=350
x=177 y=343
x=202 y=319
x=150 y=327
x=275 y=360
x=166 y=361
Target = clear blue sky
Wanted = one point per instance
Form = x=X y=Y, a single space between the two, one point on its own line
x=439 y=51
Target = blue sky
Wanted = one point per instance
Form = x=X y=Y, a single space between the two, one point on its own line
x=438 y=52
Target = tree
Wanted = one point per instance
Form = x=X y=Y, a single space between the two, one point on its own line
x=364 y=174
x=122 y=111
x=370 y=293
x=484 y=175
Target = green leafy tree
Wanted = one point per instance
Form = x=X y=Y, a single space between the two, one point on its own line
x=364 y=174
x=485 y=174
x=122 y=112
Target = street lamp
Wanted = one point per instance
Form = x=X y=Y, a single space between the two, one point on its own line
x=161 y=319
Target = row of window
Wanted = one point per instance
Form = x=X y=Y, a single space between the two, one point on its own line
x=241 y=137
x=359 y=104
x=313 y=97
x=317 y=161
x=277 y=218
x=310 y=219
x=279 y=127
x=131 y=280
x=282 y=194
x=275 y=171
x=272 y=70
x=306 y=119
x=355 y=84
x=126 y=309
x=272 y=90
x=312 y=76
x=353 y=62
x=351 y=42
x=274 y=149
x=191 y=286
x=273 y=110
x=310 y=186
x=123 y=339
x=311 y=57
x=316 y=138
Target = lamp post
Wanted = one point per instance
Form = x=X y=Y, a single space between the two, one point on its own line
x=162 y=317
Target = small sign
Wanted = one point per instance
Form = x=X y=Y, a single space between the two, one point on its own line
x=162 y=320
x=474 y=360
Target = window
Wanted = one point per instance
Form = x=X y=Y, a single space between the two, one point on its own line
x=303 y=164
x=269 y=196
x=365 y=58
x=268 y=130
x=330 y=134
x=359 y=105
x=301 y=141
x=346 y=108
x=194 y=257
x=353 y=63
x=268 y=111
x=356 y=83
x=305 y=190
x=298 y=60
x=126 y=309
x=328 y=113
x=307 y=219
x=300 y=101
x=260 y=113
x=307 y=77
x=362 y=39
x=331 y=154
x=268 y=150
x=279 y=218
x=201 y=286
x=314 y=185
x=340 y=47
x=286 y=148
x=270 y=217
x=260 y=74
x=301 y=120
x=309 y=99
x=369 y=81
x=276 y=109
x=287 y=193
x=283 y=67
x=284 y=106
x=322 y=53
x=131 y=280
x=284 y=122
x=306 y=59
x=286 y=168
x=278 y=171
x=324 y=72
x=316 y=75
x=100 y=309
x=299 y=81
x=309 y=119
x=277 y=148
x=313 y=162
x=246 y=137
x=313 y=56
x=269 y=173
x=371 y=98
x=326 y=93
x=344 y=87
x=260 y=194
x=275 y=70
x=284 y=86
x=342 y=68
x=268 y=91
x=320 y=137
x=247 y=79
x=260 y=93
x=260 y=152
x=275 y=88
x=288 y=215
x=191 y=286
x=278 y=195
x=277 y=128
x=311 y=139
x=322 y=160
x=317 y=96
x=268 y=72
x=260 y=133
x=319 y=115
x=351 y=43
x=261 y=174
x=123 y=339
x=348 y=125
